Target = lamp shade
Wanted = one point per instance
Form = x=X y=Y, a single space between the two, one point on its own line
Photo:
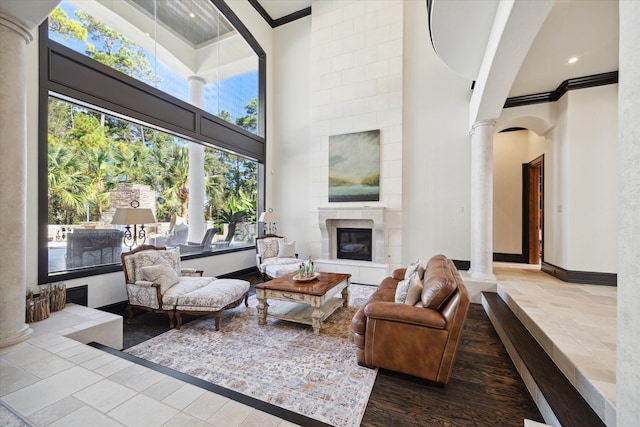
x=268 y=217
x=129 y=216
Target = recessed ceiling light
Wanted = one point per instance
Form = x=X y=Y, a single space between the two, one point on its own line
x=193 y=15
x=573 y=60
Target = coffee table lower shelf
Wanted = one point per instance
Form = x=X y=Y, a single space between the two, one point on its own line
x=301 y=313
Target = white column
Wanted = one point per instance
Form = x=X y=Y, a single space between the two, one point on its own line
x=482 y=200
x=197 y=225
x=628 y=349
x=13 y=176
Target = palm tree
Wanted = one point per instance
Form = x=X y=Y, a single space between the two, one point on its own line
x=67 y=184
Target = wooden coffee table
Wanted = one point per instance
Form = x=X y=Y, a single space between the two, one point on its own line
x=309 y=303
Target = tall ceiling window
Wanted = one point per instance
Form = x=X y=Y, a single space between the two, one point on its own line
x=152 y=102
x=187 y=49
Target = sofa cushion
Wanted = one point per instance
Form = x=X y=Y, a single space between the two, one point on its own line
x=162 y=273
x=438 y=284
x=183 y=287
x=286 y=250
x=213 y=297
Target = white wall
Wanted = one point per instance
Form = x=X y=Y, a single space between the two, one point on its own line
x=592 y=180
x=289 y=173
x=436 y=148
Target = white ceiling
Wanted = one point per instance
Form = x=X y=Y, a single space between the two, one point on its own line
x=587 y=29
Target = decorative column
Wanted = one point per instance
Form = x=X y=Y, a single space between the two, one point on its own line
x=196 y=168
x=628 y=349
x=482 y=200
x=13 y=177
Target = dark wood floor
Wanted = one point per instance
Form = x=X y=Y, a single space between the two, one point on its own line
x=485 y=389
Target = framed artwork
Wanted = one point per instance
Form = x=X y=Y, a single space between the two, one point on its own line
x=354 y=167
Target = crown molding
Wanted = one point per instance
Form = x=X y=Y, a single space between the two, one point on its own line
x=273 y=23
x=567 y=85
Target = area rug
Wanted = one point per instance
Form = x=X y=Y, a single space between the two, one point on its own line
x=281 y=363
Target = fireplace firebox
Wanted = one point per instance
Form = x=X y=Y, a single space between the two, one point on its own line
x=354 y=243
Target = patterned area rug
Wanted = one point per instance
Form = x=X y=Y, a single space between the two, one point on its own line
x=281 y=363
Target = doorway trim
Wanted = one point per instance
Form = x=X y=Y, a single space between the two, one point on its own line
x=532 y=206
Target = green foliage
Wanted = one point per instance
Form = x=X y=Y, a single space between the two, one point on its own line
x=237 y=209
x=250 y=121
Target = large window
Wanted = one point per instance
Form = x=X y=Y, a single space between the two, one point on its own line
x=170 y=45
x=175 y=88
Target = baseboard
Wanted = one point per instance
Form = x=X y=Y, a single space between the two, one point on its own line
x=503 y=257
x=588 y=277
x=461 y=264
x=244 y=272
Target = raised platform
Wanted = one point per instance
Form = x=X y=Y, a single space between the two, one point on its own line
x=83 y=324
x=573 y=324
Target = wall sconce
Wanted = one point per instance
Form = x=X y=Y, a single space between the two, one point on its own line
x=133 y=216
x=269 y=220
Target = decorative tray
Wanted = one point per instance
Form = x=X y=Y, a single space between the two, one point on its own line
x=306 y=279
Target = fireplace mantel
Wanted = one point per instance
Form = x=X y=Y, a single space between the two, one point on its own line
x=329 y=219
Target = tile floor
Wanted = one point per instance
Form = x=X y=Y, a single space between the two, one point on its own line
x=52 y=380
x=574 y=323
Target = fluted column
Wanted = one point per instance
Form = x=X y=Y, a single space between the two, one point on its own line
x=13 y=177
x=196 y=169
x=482 y=200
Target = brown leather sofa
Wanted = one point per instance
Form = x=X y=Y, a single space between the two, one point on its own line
x=421 y=339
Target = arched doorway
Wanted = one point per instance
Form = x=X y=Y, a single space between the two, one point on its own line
x=518 y=215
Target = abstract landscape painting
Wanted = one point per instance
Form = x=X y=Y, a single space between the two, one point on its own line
x=354 y=167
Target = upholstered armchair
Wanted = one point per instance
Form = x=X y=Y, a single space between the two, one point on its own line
x=156 y=282
x=275 y=256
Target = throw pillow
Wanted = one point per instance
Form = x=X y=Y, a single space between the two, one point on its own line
x=414 y=290
x=401 y=291
x=162 y=274
x=286 y=250
x=414 y=267
x=268 y=248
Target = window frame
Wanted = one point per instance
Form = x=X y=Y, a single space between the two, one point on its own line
x=103 y=87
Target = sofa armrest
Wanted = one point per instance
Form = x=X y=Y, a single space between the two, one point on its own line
x=402 y=313
x=191 y=272
x=398 y=273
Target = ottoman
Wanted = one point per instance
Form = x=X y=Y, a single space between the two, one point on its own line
x=218 y=295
